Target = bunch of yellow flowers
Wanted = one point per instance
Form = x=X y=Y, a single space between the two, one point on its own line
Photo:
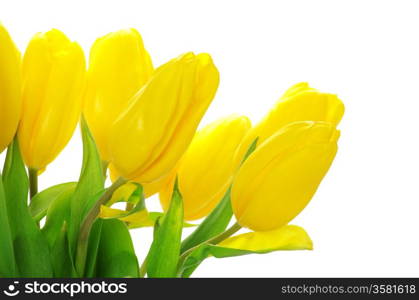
x=139 y=126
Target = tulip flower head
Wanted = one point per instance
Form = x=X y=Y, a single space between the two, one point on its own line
x=10 y=88
x=154 y=131
x=53 y=81
x=149 y=189
x=206 y=170
x=281 y=176
x=119 y=66
x=299 y=103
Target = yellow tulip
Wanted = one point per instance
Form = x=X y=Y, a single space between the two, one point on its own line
x=154 y=131
x=280 y=177
x=119 y=66
x=149 y=189
x=299 y=103
x=53 y=81
x=288 y=237
x=10 y=88
x=206 y=170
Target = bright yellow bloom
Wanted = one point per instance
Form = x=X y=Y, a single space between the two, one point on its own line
x=299 y=103
x=53 y=81
x=149 y=189
x=10 y=88
x=122 y=194
x=206 y=170
x=157 y=127
x=119 y=66
x=280 y=177
x=288 y=237
x=154 y=187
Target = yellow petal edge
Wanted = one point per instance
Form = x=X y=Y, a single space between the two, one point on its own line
x=289 y=237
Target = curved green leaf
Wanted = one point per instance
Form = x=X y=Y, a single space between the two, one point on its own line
x=30 y=246
x=163 y=257
x=7 y=256
x=93 y=248
x=41 y=201
x=215 y=223
x=57 y=213
x=90 y=183
x=116 y=255
x=62 y=261
x=88 y=190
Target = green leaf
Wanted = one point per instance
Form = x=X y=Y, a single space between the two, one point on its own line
x=93 y=248
x=62 y=261
x=41 y=201
x=250 y=150
x=90 y=184
x=164 y=253
x=215 y=223
x=7 y=256
x=116 y=255
x=136 y=198
x=155 y=216
x=130 y=192
x=57 y=213
x=30 y=247
x=134 y=219
x=289 y=237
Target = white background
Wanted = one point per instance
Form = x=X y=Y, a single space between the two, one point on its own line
x=364 y=218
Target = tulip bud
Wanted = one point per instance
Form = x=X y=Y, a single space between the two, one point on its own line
x=119 y=66
x=10 y=88
x=53 y=81
x=206 y=170
x=281 y=176
x=299 y=103
x=157 y=127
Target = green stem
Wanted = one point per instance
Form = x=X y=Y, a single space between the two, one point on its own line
x=33 y=182
x=213 y=241
x=226 y=234
x=83 y=239
x=143 y=268
x=129 y=206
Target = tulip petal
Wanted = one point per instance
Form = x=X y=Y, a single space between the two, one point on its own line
x=138 y=219
x=127 y=216
x=53 y=83
x=289 y=237
x=204 y=184
x=299 y=103
x=281 y=176
x=10 y=88
x=119 y=66
x=150 y=136
x=122 y=194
